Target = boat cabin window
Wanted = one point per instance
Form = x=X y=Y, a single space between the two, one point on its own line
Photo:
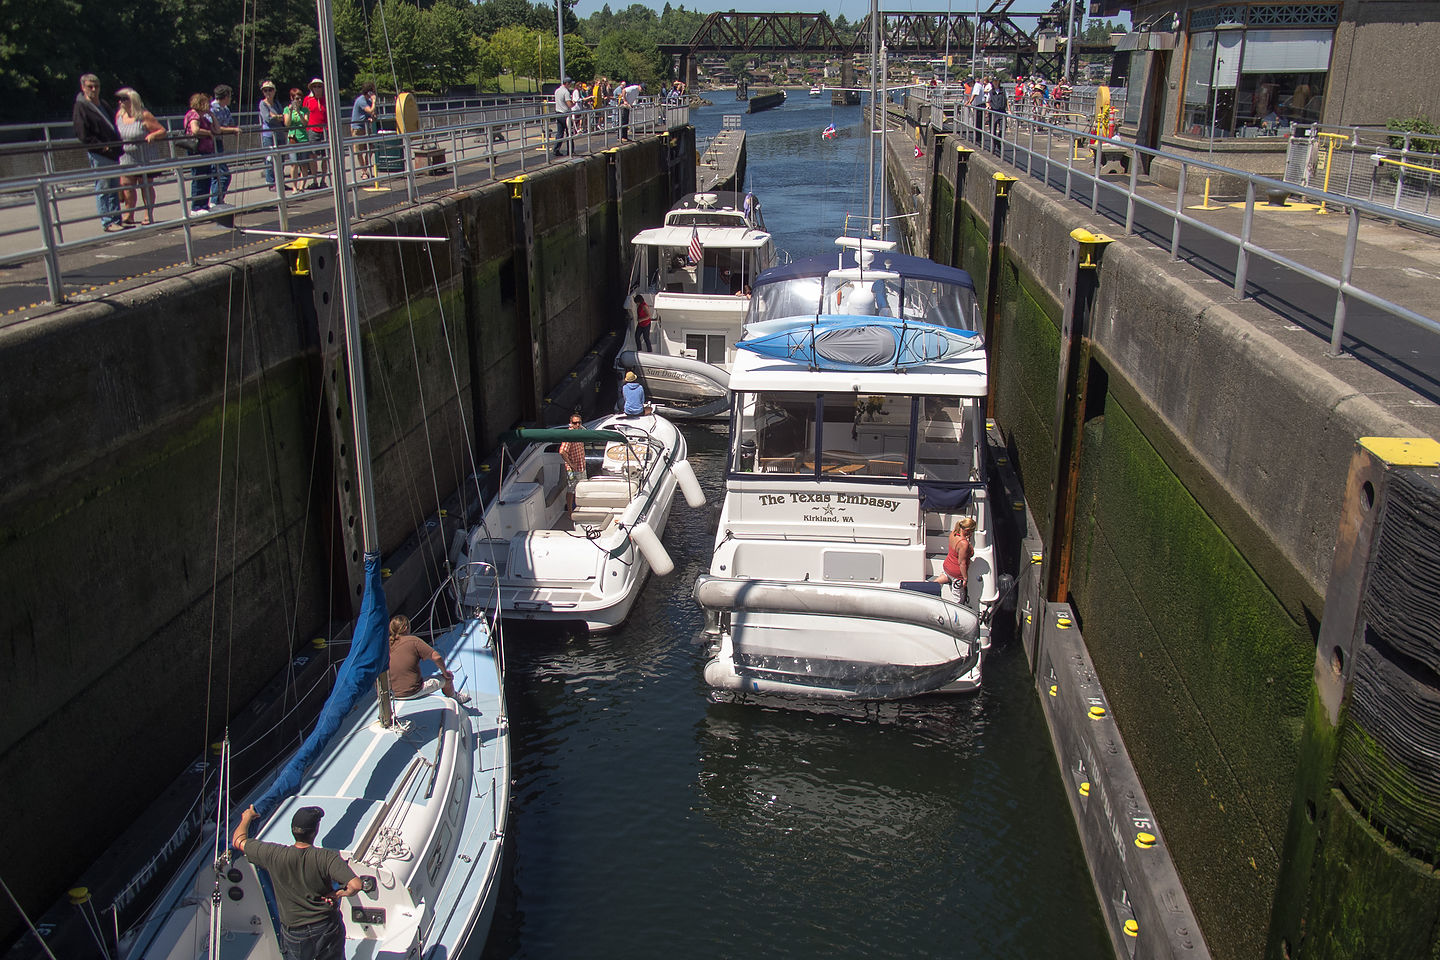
x=785 y=298
x=706 y=347
x=866 y=436
x=949 y=439
x=831 y=435
x=721 y=271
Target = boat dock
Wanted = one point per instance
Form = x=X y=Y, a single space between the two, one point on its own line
x=722 y=166
x=767 y=100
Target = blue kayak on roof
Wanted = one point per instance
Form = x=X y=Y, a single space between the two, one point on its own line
x=837 y=342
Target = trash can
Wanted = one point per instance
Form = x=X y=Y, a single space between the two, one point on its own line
x=390 y=152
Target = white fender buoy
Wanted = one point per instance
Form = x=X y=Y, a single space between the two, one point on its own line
x=685 y=476
x=649 y=545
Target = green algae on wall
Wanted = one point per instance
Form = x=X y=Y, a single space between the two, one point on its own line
x=974 y=251
x=942 y=226
x=1024 y=357
x=1190 y=641
x=1367 y=898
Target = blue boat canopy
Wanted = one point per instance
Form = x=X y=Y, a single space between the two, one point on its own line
x=918 y=268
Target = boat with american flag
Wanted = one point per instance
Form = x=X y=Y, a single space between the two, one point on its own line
x=688 y=297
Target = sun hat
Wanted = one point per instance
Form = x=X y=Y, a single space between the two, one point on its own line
x=629 y=376
x=317 y=82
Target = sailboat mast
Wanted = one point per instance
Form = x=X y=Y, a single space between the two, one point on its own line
x=870 y=165
x=350 y=311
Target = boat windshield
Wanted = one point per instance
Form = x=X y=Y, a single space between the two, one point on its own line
x=722 y=271
x=888 y=295
x=857 y=435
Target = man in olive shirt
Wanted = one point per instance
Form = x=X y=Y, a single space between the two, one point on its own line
x=305 y=877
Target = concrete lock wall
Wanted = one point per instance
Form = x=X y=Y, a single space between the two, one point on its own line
x=1207 y=474
x=181 y=445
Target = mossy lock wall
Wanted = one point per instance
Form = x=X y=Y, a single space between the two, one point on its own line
x=178 y=506
x=1207 y=483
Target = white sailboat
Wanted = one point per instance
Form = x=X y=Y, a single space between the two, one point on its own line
x=848 y=467
x=694 y=274
x=415 y=792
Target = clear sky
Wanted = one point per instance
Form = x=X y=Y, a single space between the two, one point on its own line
x=852 y=9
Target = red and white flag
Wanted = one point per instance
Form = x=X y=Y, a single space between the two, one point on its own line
x=696 y=251
x=918 y=152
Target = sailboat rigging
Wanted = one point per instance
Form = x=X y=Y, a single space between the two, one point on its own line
x=414 y=791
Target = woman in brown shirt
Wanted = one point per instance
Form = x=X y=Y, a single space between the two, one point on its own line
x=406 y=652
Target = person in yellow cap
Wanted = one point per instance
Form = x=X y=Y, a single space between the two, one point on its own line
x=633 y=395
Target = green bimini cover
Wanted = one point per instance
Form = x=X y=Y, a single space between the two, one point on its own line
x=559 y=435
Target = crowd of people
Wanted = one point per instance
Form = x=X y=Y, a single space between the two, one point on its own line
x=123 y=143
x=576 y=105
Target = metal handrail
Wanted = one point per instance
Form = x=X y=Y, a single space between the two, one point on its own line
x=41 y=236
x=1255 y=185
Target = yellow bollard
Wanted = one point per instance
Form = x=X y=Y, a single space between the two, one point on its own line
x=1206 y=205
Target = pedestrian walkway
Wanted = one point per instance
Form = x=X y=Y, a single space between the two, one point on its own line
x=100 y=264
x=1396 y=262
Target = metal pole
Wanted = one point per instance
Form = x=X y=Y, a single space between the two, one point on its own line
x=349 y=308
x=1242 y=255
x=874 y=58
x=1337 y=330
x=975 y=39
x=1069 y=35
x=945 y=69
x=52 y=259
x=560 y=33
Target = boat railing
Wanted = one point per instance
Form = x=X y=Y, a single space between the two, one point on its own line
x=1082 y=164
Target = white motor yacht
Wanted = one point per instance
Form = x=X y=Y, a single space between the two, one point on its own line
x=848 y=467
x=694 y=275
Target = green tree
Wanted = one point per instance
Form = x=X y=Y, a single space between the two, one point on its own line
x=485 y=64
x=630 y=55
x=579 y=59
x=515 y=47
x=739 y=65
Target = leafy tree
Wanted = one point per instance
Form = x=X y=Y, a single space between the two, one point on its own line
x=579 y=60
x=678 y=25
x=485 y=63
x=739 y=65
x=515 y=47
x=630 y=55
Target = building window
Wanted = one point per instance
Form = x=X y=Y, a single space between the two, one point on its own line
x=1253 y=70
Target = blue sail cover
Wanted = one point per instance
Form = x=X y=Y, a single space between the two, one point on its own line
x=369 y=656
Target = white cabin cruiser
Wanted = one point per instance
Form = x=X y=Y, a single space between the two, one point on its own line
x=694 y=274
x=587 y=566
x=843 y=481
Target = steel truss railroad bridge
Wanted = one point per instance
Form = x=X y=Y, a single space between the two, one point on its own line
x=994 y=33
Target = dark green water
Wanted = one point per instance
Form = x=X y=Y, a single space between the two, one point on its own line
x=651 y=821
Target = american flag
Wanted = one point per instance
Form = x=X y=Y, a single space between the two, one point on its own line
x=696 y=251
x=829 y=132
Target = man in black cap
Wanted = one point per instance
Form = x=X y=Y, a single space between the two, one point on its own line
x=305 y=877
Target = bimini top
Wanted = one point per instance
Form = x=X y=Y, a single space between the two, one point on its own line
x=918 y=268
x=891 y=285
